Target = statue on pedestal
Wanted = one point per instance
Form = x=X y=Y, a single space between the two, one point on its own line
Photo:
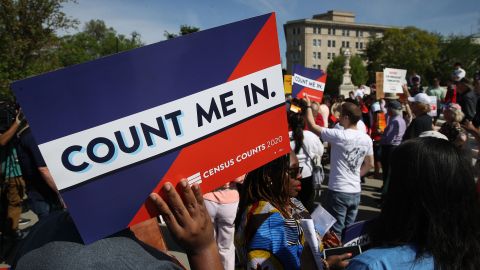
x=347 y=84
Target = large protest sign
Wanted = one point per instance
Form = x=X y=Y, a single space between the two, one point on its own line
x=393 y=79
x=114 y=130
x=308 y=81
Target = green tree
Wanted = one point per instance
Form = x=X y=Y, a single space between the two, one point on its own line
x=184 y=30
x=409 y=48
x=335 y=73
x=96 y=40
x=27 y=38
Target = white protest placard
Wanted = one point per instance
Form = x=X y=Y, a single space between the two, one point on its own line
x=393 y=80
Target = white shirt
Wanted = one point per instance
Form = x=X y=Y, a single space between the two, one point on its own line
x=349 y=149
x=360 y=126
x=313 y=145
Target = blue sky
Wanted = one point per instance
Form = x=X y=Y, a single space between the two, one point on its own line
x=151 y=18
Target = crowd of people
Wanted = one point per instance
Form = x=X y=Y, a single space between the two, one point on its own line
x=429 y=206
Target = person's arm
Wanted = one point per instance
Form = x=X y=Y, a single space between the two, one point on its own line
x=366 y=165
x=312 y=126
x=188 y=220
x=7 y=136
x=47 y=176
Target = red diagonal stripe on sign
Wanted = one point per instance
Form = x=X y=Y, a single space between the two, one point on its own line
x=262 y=53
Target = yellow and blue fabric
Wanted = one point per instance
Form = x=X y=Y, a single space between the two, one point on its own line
x=267 y=240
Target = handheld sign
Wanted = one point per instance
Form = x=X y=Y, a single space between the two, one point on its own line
x=357 y=234
x=308 y=81
x=433 y=106
x=379 y=85
x=115 y=129
x=393 y=80
x=287 y=84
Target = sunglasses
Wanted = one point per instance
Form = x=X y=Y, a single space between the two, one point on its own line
x=294 y=172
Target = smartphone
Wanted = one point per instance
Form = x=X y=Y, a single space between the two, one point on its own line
x=355 y=250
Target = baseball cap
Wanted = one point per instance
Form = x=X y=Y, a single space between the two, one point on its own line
x=394 y=104
x=420 y=98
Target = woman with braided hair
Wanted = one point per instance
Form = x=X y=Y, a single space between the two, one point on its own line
x=268 y=234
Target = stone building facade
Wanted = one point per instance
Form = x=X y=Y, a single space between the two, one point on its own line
x=315 y=42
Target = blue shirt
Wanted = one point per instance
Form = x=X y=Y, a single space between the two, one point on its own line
x=395 y=258
x=394 y=131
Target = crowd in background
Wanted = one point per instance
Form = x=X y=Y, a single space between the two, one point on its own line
x=430 y=208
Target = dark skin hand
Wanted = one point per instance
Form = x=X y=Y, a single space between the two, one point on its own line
x=188 y=220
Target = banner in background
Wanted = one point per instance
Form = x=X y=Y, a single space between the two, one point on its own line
x=308 y=81
x=115 y=129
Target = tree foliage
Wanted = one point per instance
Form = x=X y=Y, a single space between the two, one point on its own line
x=184 y=30
x=27 y=38
x=409 y=48
x=455 y=49
x=96 y=40
x=335 y=72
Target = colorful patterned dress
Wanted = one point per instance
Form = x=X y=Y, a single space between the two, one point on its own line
x=267 y=240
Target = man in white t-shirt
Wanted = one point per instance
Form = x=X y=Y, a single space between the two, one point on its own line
x=351 y=157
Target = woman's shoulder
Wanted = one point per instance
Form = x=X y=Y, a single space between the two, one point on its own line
x=400 y=257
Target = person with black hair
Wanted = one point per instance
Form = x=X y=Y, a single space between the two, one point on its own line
x=430 y=218
x=467 y=98
x=269 y=235
x=306 y=146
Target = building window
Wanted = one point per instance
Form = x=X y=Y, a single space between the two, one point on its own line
x=319 y=42
x=314 y=30
x=333 y=55
x=314 y=66
x=348 y=44
x=356 y=45
x=345 y=32
x=319 y=66
x=333 y=43
x=329 y=31
x=343 y=44
x=329 y=43
x=319 y=55
x=314 y=55
x=333 y=31
x=319 y=30
x=329 y=56
x=314 y=42
x=361 y=45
